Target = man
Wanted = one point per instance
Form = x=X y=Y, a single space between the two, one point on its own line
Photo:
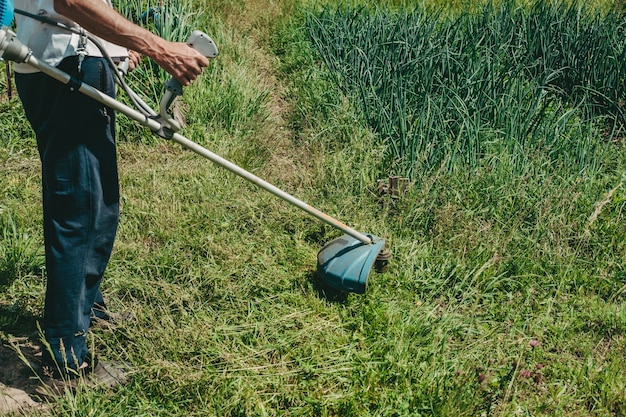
x=76 y=143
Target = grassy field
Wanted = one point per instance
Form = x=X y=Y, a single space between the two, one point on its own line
x=506 y=292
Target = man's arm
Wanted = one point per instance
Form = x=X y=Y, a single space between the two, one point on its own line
x=177 y=58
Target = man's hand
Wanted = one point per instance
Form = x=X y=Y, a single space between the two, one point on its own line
x=134 y=58
x=182 y=62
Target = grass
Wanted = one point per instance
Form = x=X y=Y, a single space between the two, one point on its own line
x=505 y=295
x=451 y=90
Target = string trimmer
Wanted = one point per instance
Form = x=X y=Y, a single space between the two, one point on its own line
x=344 y=263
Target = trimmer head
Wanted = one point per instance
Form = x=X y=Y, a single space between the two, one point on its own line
x=345 y=263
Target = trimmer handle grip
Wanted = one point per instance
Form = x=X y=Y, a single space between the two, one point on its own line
x=202 y=43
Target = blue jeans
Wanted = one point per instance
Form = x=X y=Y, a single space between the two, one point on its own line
x=76 y=143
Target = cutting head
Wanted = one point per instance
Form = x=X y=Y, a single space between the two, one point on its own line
x=345 y=263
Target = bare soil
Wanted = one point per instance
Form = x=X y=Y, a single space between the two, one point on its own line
x=19 y=358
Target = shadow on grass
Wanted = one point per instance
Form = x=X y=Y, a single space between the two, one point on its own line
x=14 y=320
x=326 y=291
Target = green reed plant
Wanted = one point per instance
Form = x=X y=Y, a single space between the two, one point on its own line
x=441 y=89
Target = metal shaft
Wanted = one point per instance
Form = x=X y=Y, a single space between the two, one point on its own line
x=156 y=126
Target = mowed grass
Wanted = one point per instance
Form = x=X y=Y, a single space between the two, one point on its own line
x=505 y=295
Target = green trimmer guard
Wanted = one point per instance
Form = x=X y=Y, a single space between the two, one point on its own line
x=345 y=263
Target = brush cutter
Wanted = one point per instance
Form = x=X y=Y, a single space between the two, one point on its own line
x=343 y=264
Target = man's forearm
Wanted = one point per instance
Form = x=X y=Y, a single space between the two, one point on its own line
x=103 y=21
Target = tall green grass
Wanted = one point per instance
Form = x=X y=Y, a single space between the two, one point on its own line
x=440 y=89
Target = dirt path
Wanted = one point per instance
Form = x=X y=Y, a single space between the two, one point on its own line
x=17 y=379
x=253 y=22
